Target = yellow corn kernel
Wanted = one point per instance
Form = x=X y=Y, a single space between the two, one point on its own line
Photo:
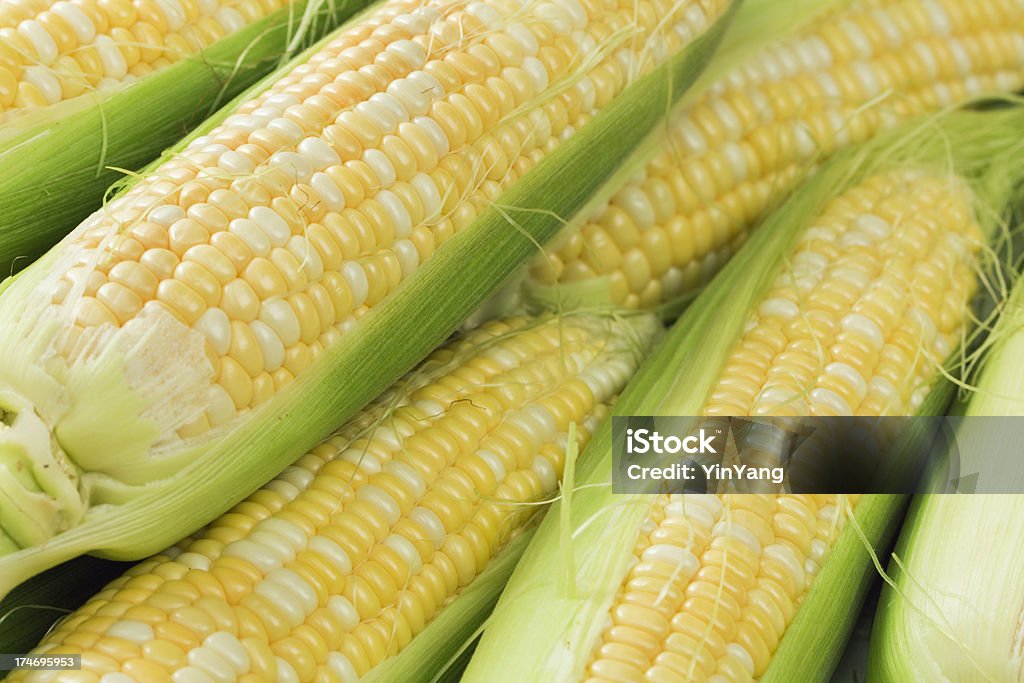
x=732 y=155
x=342 y=559
x=719 y=577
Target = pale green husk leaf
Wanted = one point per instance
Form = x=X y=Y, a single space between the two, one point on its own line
x=952 y=611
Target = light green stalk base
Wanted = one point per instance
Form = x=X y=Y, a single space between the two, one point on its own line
x=57 y=163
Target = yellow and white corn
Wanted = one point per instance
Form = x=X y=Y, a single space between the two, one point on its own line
x=339 y=562
x=191 y=316
x=848 y=303
x=736 y=151
x=875 y=298
x=51 y=52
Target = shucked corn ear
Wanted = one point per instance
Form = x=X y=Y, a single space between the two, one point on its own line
x=753 y=133
x=339 y=562
x=846 y=303
x=208 y=325
x=88 y=88
x=952 y=610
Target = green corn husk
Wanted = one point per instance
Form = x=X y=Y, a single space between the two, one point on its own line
x=593 y=540
x=949 y=611
x=132 y=496
x=56 y=163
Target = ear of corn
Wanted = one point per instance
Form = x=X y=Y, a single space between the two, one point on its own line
x=56 y=53
x=57 y=161
x=190 y=334
x=735 y=150
x=341 y=561
x=733 y=587
x=950 y=611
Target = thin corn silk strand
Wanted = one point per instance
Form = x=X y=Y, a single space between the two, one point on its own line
x=223 y=275
x=716 y=579
x=344 y=558
x=731 y=156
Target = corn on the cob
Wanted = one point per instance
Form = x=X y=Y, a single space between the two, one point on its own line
x=875 y=295
x=951 y=611
x=210 y=298
x=737 y=150
x=340 y=561
x=53 y=52
x=59 y=162
x=846 y=309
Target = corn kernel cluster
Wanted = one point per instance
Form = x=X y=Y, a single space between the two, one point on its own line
x=748 y=140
